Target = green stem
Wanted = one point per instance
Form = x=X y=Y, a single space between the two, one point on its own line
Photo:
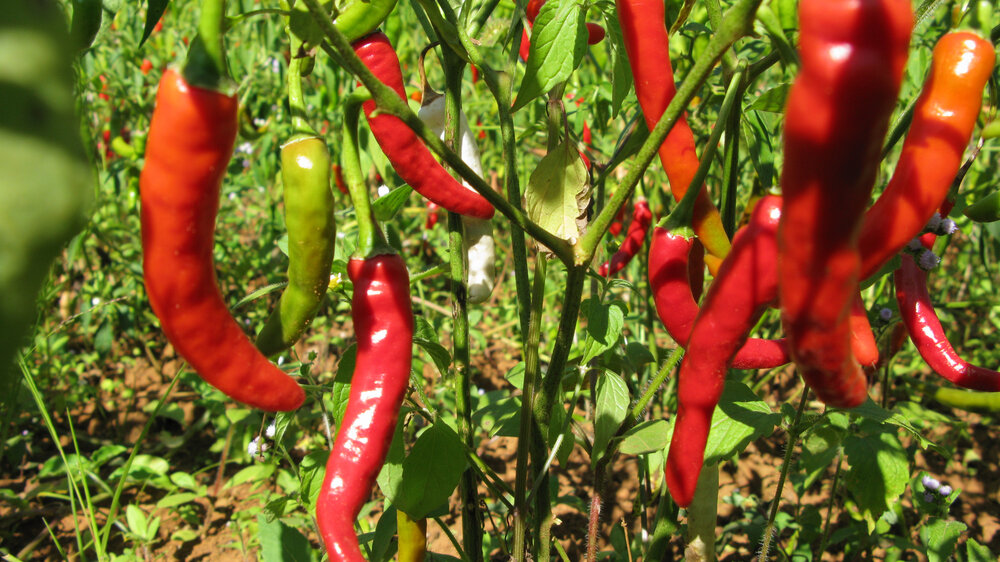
x=702 y=515
x=296 y=102
x=389 y=102
x=468 y=486
x=829 y=506
x=680 y=217
x=525 y=433
x=370 y=238
x=575 y=278
x=654 y=385
x=737 y=22
x=205 y=66
x=666 y=526
x=793 y=435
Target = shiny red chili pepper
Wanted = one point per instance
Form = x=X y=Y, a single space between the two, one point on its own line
x=383 y=326
x=928 y=335
x=853 y=55
x=647 y=46
x=746 y=282
x=943 y=120
x=191 y=137
x=405 y=151
x=863 y=344
x=669 y=278
x=635 y=237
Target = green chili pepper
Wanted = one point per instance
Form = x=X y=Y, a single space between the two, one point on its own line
x=361 y=17
x=305 y=172
x=47 y=181
x=986 y=209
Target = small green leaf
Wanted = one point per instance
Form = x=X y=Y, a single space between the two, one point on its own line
x=604 y=327
x=174 y=500
x=387 y=206
x=392 y=469
x=282 y=543
x=341 y=390
x=647 y=437
x=611 y=408
x=252 y=473
x=431 y=471
x=975 y=552
x=154 y=11
x=878 y=472
x=558 y=193
x=740 y=417
x=438 y=353
x=940 y=537
x=136 y=519
x=772 y=100
x=558 y=43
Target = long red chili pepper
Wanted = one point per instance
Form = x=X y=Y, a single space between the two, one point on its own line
x=928 y=335
x=853 y=55
x=669 y=277
x=383 y=326
x=635 y=236
x=404 y=149
x=191 y=137
x=746 y=282
x=647 y=46
x=863 y=343
x=943 y=120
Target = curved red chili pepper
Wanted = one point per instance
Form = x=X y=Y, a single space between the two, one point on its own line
x=928 y=335
x=403 y=148
x=642 y=217
x=191 y=137
x=943 y=120
x=647 y=46
x=383 y=326
x=853 y=56
x=863 y=343
x=746 y=281
x=669 y=278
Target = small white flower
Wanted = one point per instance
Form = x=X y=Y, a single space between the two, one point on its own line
x=383 y=190
x=270 y=431
x=945 y=490
x=930 y=483
x=246 y=164
x=281 y=360
x=885 y=314
x=914 y=245
x=928 y=260
x=232 y=196
x=264 y=446
x=934 y=223
x=95 y=301
x=245 y=148
x=253 y=447
x=259 y=121
x=948 y=226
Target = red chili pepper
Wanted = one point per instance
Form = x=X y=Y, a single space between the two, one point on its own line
x=146 y=66
x=943 y=120
x=403 y=148
x=634 y=239
x=863 y=343
x=595 y=33
x=338 y=179
x=383 y=326
x=696 y=270
x=928 y=335
x=432 y=215
x=853 y=55
x=647 y=46
x=191 y=137
x=746 y=282
x=669 y=278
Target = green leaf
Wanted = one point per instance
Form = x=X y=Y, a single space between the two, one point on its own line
x=975 y=552
x=282 y=543
x=872 y=411
x=739 y=418
x=647 y=437
x=610 y=409
x=174 y=500
x=341 y=390
x=820 y=446
x=759 y=146
x=392 y=469
x=387 y=206
x=385 y=529
x=154 y=11
x=438 y=353
x=252 y=473
x=500 y=418
x=137 y=522
x=772 y=100
x=431 y=471
x=558 y=193
x=604 y=327
x=621 y=73
x=878 y=472
x=558 y=43
x=940 y=537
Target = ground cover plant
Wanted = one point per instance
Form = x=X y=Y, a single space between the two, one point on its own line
x=489 y=280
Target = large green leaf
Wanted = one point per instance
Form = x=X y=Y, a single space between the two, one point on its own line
x=558 y=193
x=558 y=43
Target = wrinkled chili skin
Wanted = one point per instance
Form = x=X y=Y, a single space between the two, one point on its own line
x=647 y=46
x=405 y=151
x=853 y=55
x=308 y=197
x=383 y=326
x=669 y=279
x=746 y=282
x=635 y=237
x=191 y=137
x=928 y=335
x=943 y=120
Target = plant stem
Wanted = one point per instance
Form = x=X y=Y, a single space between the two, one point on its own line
x=666 y=525
x=369 y=235
x=527 y=429
x=786 y=465
x=593 y=521
x=736 y=23
x=702 y=515
x=829 y=507
x=468 y=486
x=296 y=103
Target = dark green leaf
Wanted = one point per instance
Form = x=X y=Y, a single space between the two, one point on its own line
x=611 y=408
x=647 y=437
x=940 y=537
x=154 y=11
x=387 y=206
x=878 y=472
x=772 y=100
x=282 y=543
x=431 y=471
x=558 y=43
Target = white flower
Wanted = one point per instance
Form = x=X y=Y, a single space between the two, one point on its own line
x=885 y=314
x=928 y=260
x=253 y=447
x=270 y=431
x=383 y=190
x=929 y=482
x=95 y=301
x=945 y=490
x=281 y=360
